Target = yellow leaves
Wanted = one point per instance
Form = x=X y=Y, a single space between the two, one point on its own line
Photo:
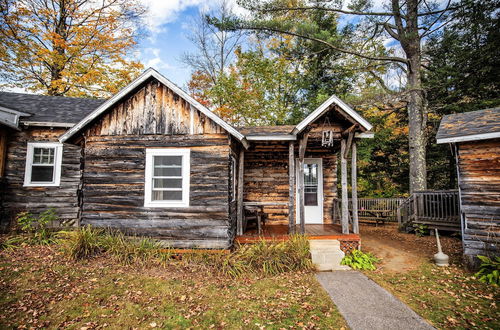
x=84 y=57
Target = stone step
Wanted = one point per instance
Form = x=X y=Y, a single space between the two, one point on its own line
x=326 y=255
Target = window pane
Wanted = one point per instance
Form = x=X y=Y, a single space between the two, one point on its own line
x=310 y=174
x=311 y=196
x=167 y=183
x=43 y=155
x=166 y=195
x=167 y=171
x=42 y=173
x=160 y=161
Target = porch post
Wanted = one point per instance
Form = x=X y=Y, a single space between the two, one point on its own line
x=291 y=189
x=345 y=198
x=302 y=151
x=354 y=185
x=239 y=216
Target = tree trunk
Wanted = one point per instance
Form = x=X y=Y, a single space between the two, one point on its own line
x=417 y=126
x=408 y=35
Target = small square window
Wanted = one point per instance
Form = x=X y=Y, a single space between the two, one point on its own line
x=167 y=178
x=43 y=164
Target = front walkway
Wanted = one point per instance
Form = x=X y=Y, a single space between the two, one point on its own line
x=366 y=305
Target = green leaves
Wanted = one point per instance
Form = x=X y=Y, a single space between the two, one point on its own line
x=489 y=271
x=360 y=260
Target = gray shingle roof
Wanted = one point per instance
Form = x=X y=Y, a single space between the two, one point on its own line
x=469 y=126
x=53 y=109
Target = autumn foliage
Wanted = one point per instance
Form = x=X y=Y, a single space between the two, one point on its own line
x=69 y=47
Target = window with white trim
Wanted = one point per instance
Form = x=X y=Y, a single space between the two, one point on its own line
x=43 y=164
x=167 y=178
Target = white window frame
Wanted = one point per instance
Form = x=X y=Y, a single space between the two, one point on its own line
x=234 y=177
x=58 y=153
x=148 y=177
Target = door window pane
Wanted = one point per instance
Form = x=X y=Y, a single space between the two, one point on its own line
x=310 y=184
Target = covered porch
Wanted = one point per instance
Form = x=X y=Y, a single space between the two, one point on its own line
x=287 y=177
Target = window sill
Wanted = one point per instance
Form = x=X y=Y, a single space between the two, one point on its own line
x=41 y=185
x=165 y=204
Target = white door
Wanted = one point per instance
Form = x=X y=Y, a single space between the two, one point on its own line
x=313 y=191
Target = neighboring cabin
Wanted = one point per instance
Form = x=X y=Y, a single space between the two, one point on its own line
x=475 y=138
x=153 y=161
x=37 y=171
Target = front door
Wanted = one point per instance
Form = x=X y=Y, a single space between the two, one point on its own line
x=313 y=191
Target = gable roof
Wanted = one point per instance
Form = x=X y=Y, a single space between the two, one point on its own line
x=344 y=109
x=469 y=126
x=149 y=73
x=45 y=109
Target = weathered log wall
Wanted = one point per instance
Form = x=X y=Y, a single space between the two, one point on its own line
x=18 y=198
x=479 y=181
x=114 y=169
x=153 y=109
x=267 y=180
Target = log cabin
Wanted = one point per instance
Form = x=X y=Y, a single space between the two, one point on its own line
x=475 y=139
x=153 y=161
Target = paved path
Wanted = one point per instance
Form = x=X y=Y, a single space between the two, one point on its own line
x=366 y=305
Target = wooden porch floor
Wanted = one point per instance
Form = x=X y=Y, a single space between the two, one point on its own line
x=280 y=232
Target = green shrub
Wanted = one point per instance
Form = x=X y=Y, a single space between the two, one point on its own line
x=37 y=228
x=359 y=260
x=420 y=229
x=489 y=271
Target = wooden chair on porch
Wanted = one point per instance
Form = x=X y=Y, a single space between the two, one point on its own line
x=254 y=215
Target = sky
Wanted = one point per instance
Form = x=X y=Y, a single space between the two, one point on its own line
x=168 y=24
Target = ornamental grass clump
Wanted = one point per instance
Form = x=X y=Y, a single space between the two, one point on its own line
x=88 y=242
x=272 y=258
x=84 y=243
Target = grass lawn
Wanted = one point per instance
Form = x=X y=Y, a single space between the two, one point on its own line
x=39 y=287
x=449 y=297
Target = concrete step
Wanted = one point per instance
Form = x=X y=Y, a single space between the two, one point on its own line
x=326 y=255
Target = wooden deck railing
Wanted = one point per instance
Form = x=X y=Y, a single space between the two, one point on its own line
x=435 y=208
x=374 y=209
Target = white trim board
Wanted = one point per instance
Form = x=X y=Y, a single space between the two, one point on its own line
x=284 y=137
x=46 y=124
x=11 y=117
x=324 y=107
x=466 y=138
x=151 y=73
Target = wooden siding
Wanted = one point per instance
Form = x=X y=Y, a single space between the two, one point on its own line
x=114 y=169
x=479 y=166
x=113 y=189
x=38 y=199
x=267 y=180
x=153 y=109
x=3 y=149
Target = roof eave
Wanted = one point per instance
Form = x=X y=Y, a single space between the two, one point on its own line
x=348 y=111
x=149 y=73
x=467 y=138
